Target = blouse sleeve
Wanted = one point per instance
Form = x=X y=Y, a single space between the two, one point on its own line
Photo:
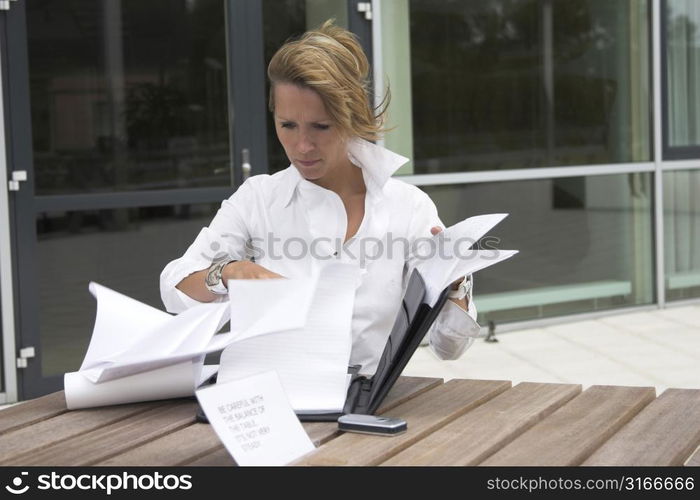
x=226 y=236
x=454 y=329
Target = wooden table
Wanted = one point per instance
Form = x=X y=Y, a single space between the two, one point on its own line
x=461 y=422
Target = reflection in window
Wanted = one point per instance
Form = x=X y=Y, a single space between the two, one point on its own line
x=682 y=234
x=511 y=84
x=124 y=249
x=683 y=74
x=2 y=357
x=585 y=243
x=128 y=95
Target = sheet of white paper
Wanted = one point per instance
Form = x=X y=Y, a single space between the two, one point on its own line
x=174 y=340
x=266 y=306
x=311 y=361
x=471 y=230
x=448 y=256
x=121 y=322
x=254 y=420
x=459 y=237
x=188 y=332
x=219 y=342
x=207 y=371
x=172 y=381
x=124 y=369
x=101 y=374
x=439 y=273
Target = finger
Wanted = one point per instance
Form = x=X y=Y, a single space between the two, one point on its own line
x=271 y=275
x=435 y=230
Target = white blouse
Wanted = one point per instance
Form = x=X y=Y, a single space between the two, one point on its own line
x=290 y=225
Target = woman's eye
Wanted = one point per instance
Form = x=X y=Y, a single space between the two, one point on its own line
x=287 y=125
x=321 y=126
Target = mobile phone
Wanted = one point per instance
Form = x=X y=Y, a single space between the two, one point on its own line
x=372 y=424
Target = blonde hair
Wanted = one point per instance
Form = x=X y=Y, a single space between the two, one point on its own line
x=330 y=61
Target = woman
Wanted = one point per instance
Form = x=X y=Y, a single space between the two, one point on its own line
x=336 y=200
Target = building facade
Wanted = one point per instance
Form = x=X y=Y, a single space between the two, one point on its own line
x=125 y=123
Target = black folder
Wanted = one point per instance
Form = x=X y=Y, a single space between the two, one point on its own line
x=413 y=320
x=366 y=394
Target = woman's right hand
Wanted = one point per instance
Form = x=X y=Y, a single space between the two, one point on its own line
x=247 y=270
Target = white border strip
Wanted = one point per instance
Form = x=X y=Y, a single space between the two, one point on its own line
x=6 y=292
x=681 y=165
x=658 y=160
x=693 y=301
x=526 y=174
x=562 y=320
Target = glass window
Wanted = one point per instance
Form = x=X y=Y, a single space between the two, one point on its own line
x=585 y=243
x=682 y=79
x=2 y=359
x=128 y=95
x=123 y=249
x=682 y=234
x=510 y=84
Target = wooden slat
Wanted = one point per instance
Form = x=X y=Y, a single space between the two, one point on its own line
x=666 y=432
x=694 y=460
x=31 y=412
x=169 y=450
x=218 y=458
x=572 y=433
x=403 y=390
x=424 y=414
x=320 y=432
x=100 y=444
x=194 y=442
x=498 y=422
x=406 y=388
x=27 y=439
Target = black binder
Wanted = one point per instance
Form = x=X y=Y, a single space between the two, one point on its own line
x=365 y=395
x=413 y=320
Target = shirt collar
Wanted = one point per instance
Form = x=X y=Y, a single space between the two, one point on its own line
x=377 y=164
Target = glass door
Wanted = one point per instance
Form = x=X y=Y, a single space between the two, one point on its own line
x=122 y=118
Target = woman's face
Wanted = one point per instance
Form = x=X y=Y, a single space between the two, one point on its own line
x=310 y=139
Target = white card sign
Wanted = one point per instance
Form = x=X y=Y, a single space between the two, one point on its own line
x=254 y=420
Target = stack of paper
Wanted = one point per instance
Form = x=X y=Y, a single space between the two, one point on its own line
x=138 y=353
x=309 y=338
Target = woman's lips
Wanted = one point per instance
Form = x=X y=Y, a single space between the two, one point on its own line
x=309 y=163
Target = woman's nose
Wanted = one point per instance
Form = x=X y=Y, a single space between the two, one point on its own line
x=305 y=144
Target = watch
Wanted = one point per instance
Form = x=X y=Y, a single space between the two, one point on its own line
x=213 y=280
x=464 y=288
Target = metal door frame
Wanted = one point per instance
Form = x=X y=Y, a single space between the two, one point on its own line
x=8 y=388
